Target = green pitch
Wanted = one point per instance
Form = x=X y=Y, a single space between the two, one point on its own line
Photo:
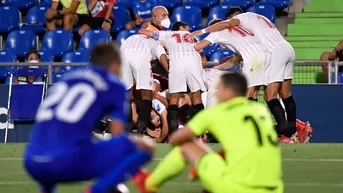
x=309 y=168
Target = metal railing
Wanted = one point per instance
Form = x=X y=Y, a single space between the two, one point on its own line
x=305 y=72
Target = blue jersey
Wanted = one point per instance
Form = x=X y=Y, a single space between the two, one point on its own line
x=144 y=10
x=74 y=106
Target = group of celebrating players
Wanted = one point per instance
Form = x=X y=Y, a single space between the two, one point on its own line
x=62 y=148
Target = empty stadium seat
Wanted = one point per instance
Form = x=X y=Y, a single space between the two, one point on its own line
x=20 y=42
x=46 y=57
x=123 y=35
x=209 y=50
x=124 y=15
x=169 y=3
x=203 y=3
x=45 y=3
x=9 y=19
x=217 y=12
x=218 y=55
x=93 y=37
x=35 y=19
x=76 y=57
x=124 y=3
x=22 y=4
x=277 y=4
x=266 y=10
x=188 y=14
x=58 y=42
x=6 y=56
x=241 y=3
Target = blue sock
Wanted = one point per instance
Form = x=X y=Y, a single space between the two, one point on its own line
x=121 y=172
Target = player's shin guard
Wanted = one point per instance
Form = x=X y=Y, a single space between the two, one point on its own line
x=252 y=99
x=279 y=115
x=144 y=116
x=291 y=114
x=173 y=118
x=186 y=112
x=119 y=173
x=197 y=108
x=172 y=165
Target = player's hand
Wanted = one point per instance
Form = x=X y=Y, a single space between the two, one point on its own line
x=193 y=34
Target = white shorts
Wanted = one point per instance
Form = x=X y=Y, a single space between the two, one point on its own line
x=253 y=69
x=136 y=66
x=281 y=64
x=183 y=72
x=211 y=78
x=209 y=98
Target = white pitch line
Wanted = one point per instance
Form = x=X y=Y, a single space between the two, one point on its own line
x=159 y=159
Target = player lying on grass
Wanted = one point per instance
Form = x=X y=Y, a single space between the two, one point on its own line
x=246 y=132
x=62 y=149
x=185 y=69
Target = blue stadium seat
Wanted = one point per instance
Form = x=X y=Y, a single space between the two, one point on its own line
x=77 y=56
x=123 y=35
x=202 y=3
x=6 y=56
x=124 y=3
x=209 y=50
x=188 y=14
x=277 y=4
x=22 y=4
x=124 y=15
x=9 y=19
x=93 y=37
x=45 y=3
x=241 y=3
x=217 y=12
x=266 y=10
x=46 y=57
x=219 y=55
x=20 y=42
x=169 y=3
x=35 y=19
x=58 y=42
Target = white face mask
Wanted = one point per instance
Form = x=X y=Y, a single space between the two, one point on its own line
x=165 y=23
x=33 y=61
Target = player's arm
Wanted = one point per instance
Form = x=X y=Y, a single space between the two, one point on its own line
x=210 y=39
x=203 y=59
x=153 y=34
x=201 y=45
x=196 y=127
x=235 y=60
x=162 y=56
x=216 y=27
x=92 y=4
x=164 y=129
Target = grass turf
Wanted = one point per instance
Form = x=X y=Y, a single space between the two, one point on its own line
x=308 y=168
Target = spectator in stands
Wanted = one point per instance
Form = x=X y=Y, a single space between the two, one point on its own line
x=143 y=13
x=101 y=16
x=32 y=57
x=160 y=19
x=74 y=13
x=335 y=55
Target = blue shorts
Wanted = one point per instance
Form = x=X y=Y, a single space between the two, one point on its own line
x=78 y=163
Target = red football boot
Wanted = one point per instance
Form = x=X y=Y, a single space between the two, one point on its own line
x=304 y=131
x=284 y=139
x=139 y=180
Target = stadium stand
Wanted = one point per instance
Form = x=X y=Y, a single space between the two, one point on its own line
x=202 y=3
x=217 y=12
x=123 y=16
x=123 y=35
x=92 y=37
x=46 y=57
x=20 y=42
x=277 y=4
x=188 y=14
x=58 y=42
x=22 y=4
x=35 y=19
x=9 y=19
x=244 y=4
x=265 y=10
x=218 y=55
x=169 y=3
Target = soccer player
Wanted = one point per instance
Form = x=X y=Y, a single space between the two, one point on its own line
x=138 y=51
x=185 y=68
x=246 y=132
x=62 y=149
x=279 y=72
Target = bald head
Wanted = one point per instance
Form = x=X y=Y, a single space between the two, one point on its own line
x=160 y=13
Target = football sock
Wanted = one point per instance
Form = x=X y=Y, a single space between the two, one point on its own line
x=144 y=116
x=291 y=114
x=173 y=118
x=186 y=112
x=279 y=115
x=252 y=99
x=172 y=165
x=197 y=108
x=47 y=189
x=130 y=165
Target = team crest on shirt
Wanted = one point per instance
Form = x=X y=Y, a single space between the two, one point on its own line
x=148 y=4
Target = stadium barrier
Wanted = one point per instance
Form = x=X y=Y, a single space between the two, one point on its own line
x=320 y=104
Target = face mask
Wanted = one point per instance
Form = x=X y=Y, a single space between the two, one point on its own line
x=33 y=61
x=165 y=23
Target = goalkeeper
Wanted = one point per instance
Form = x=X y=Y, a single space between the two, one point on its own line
x=246 y=132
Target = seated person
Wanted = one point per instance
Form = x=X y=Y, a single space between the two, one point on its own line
x=143 y=13
x=32 y=57
x=74 y=13
x=335 y=55
x=101 y=16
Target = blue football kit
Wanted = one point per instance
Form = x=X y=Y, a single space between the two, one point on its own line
x=144 y=10
x=62 y=149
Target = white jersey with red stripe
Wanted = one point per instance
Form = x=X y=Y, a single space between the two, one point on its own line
x=143 y=44
x=263 y=28
x=177 y=45
x=239 y=40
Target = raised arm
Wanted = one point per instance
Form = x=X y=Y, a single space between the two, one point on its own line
x=201 y=45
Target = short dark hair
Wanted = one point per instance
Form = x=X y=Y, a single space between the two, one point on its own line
x=176 y=26
x=236 y=81
x=32 y=51
x=214 y=21
x=104 y=55
x=232 y=10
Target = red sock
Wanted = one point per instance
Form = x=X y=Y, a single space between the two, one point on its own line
x=221 y=153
